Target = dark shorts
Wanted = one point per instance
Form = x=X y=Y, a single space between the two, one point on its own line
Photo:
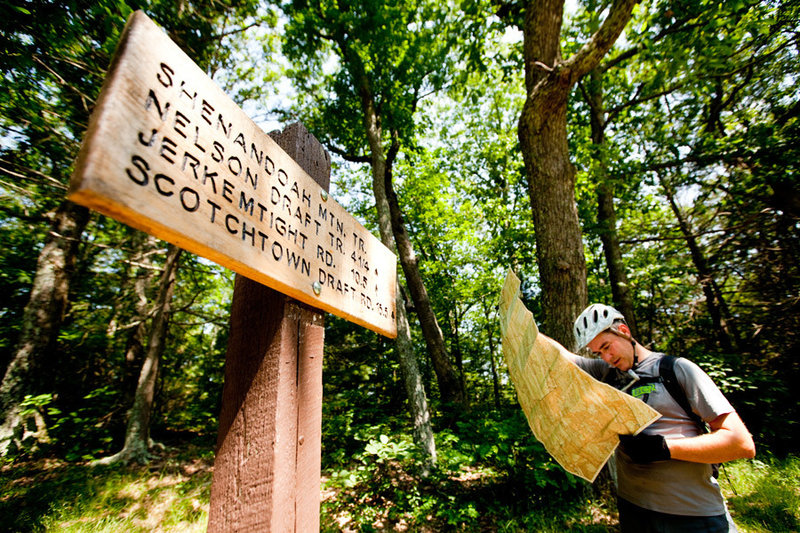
x=634 y=519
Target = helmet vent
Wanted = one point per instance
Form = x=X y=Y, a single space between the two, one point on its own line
x=594 y=315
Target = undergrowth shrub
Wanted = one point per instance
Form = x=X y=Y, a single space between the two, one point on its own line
x=489 y=466
x=504 y=442
x=73 y=432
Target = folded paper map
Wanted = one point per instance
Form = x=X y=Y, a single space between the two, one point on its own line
x=576 y=417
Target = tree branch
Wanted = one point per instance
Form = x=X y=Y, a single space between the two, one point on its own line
x=678 y=26
x=50 y=180
x=347 y=156
x=591 y=53
x=86 y=100
x=220 y=36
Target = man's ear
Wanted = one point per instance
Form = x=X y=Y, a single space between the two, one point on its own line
x=623 y=328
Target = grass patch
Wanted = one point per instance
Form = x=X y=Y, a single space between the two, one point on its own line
x=767 y=494
x=170 y=494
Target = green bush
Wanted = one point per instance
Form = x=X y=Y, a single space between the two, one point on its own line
x=72 y=434
x=490 y=470
x=503 y=441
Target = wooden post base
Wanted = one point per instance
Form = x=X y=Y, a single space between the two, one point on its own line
x=267 y=469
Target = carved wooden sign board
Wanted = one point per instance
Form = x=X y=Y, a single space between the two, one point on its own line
x=169 y=153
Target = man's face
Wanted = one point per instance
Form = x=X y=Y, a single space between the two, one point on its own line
x=613 y=349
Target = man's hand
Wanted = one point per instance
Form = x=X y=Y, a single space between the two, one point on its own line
x=645 y=448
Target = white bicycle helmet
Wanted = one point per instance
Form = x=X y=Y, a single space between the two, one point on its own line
x=594 y=320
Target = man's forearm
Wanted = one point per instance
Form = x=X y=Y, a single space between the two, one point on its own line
x=728 y=440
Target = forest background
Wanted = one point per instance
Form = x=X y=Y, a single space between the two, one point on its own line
x=643 y=155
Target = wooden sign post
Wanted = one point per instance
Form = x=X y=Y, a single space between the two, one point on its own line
x=267 y=466
x=169 y=153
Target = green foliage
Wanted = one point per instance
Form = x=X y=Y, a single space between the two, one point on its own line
x=695 y=103
x=503 y=442
x=701 y=102
x=173 y=495
x=374 y=479
x=762 y=494
x=390 y=53
x=53 y=69
x=76 y=435
x=490 y=467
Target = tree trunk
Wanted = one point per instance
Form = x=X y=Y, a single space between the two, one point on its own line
x=447 y=376
x=409 y=366
x=392 y=228
x=490 y=339
x=137 y=337
x=717 y=307
x=455 y=346
x=606 y=214
x=137 y=435
x=415 y=390
x=27 y=373
x=551 y=188
x=543 y=138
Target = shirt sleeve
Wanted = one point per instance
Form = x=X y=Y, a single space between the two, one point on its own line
x=597 y=368
x=704 y=396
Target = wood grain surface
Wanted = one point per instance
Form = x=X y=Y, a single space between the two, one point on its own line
x=169 y=153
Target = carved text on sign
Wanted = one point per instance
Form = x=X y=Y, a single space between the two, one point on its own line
x=169 y=153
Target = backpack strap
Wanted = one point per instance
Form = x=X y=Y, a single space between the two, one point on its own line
x=666 y=369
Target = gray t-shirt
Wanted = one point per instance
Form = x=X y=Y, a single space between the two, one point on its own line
x=673 y=486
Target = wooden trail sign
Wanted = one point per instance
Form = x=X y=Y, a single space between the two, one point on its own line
x=169 y=153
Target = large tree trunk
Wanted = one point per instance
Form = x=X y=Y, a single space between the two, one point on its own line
x=606 y=214
x=137 y=435
x=543 y=139
x=28 y=371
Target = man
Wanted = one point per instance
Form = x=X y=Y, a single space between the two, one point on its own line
x=665 y=475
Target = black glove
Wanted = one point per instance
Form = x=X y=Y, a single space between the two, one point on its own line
x=645 y=448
